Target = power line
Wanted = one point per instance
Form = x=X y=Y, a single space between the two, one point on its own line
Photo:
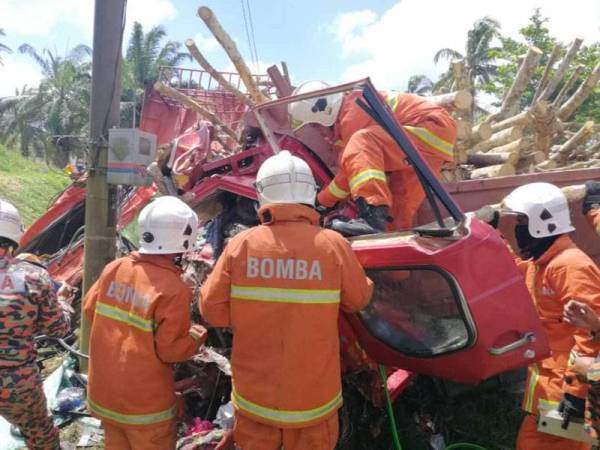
x=247 y=32
x=252 y=34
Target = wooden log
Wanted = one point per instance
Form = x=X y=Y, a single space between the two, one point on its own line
x=488 y=159
x=486 y=213
x=498 y=170
x=460 y=100
x=501 y=138
x=562 y=68
x=193 y=49
x=510 y=104
x=584 y=133
x=482 y=131
x=230 y=48
x=567 y=86
x=460 y=156
x=191 y=103
x=522 y=119
x=463 y=130
x=459 y=72
x=286 y=74
x=544 y=80
x=583 y=92
x=514 y=146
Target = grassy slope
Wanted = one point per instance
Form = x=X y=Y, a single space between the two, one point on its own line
x=27 y=184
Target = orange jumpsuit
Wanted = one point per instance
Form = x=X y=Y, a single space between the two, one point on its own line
x=140 y=323
x=562 y=273
x=280 y=286
x=372 y=165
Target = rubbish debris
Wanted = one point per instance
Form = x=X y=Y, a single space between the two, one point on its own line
x=224 y=417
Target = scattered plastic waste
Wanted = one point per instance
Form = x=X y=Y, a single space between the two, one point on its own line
x=198 y=426
x=70 y=399
x=224 y=417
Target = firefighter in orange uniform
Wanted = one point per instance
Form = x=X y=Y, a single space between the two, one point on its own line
x=373 y=169
x=140 y=326
x=555 y=271
x=280 y=286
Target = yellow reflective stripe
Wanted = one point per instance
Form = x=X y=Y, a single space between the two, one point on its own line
x=283 y=416
x=533 y=379
x=431 y=139
x=547 y=404
x=335 y=190
x=124 y=316
x=393 y=102
x=131 y=419
x=263 y=294
x=366 y=175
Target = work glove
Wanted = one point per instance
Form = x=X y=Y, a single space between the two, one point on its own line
x=592 y=196
x=571 y=407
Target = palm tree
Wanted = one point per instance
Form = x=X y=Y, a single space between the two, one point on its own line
x=480 y=65
x=419 y=84
x=145 y=55
x=60 y=105
x=3 y=48
x=20 y=120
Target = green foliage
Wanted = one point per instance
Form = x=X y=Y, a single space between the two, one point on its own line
x=3 y=48
x=145 y=54
x=29 y=185
x=420 y=84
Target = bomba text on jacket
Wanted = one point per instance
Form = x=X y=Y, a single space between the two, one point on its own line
x=284 y=269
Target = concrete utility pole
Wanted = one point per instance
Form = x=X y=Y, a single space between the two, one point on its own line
x=100 y=203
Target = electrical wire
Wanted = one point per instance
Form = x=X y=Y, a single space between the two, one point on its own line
x=247 y=31
x=252 y=35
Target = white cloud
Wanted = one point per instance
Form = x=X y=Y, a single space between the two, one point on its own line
x=206 y=44
x=402 y=41
x=41 y=17
x=16 y=73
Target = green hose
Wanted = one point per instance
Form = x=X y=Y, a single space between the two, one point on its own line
x=390 y=410
x=394 y=429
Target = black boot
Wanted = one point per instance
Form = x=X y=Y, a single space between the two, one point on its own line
x=371 y=220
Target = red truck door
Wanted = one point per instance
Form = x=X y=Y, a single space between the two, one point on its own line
x=452 y=307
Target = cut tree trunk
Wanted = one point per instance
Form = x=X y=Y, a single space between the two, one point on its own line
x=562 y=69
x=462 y=83
x=578 y=138
x=230 y=48
x=522 y=119
x=463 y=130
x=582 y=93
x=488 y=159
x=498 y=170
x=545 y=125
x=194 y=105
x=510 y=103
x=482 y=131
x=459 y=100
x=544 y=80
x=515 y=146
x=193 y=49
x=501 y=138
x=567 y=86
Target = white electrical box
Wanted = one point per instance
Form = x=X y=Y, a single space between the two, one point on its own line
x=130 y=151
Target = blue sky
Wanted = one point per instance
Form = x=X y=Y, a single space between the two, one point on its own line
x=333 y=40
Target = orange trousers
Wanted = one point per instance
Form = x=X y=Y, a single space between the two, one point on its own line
x=251 y=435
x=162 y=436
x=531 y=439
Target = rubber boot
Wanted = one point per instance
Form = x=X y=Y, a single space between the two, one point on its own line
x=371 y=220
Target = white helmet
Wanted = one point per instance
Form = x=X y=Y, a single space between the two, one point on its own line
x=284 y=178
x=11 y=226
x=167 y=225
x=321 y=110
x=545 y=206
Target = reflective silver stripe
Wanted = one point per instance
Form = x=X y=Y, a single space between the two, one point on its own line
x=131 y=419
x=336 y=191
x=286 y=416
x=263 y=294
x=122 y=315
x=431 y=139
x=366 y=175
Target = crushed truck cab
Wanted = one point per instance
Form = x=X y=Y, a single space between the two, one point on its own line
x=448 y=302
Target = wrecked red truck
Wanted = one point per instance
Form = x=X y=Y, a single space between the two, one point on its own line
x=449 y=301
